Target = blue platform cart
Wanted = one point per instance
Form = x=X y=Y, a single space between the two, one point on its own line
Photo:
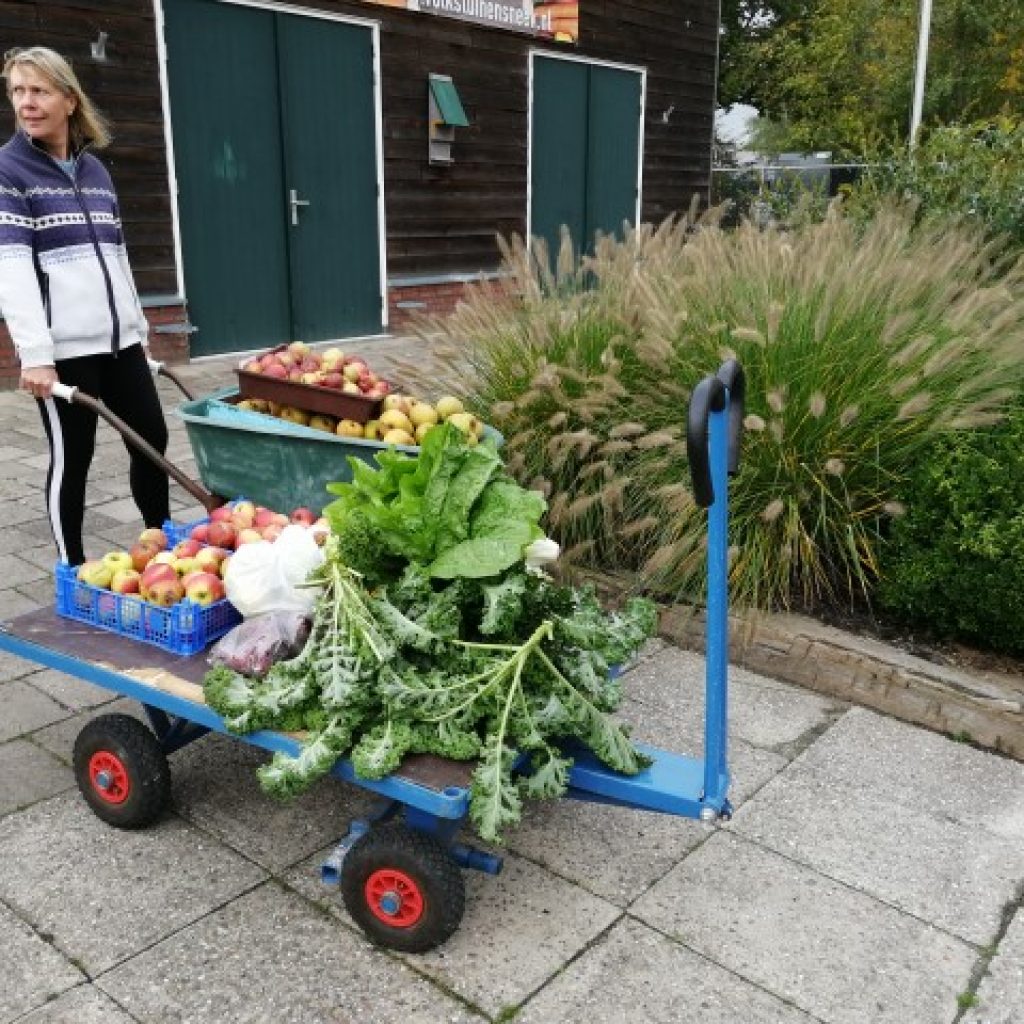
x=399 y=871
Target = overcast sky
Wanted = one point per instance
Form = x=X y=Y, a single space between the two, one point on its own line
x=733 y=122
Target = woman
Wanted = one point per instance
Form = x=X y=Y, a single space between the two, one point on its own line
x=66 y=290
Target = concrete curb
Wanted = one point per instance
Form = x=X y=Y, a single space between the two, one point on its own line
x=988 y=710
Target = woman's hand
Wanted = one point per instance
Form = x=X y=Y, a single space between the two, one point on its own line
x=38 y=380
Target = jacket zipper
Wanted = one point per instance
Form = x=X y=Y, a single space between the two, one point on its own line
x=115 y=337
x=44 y=281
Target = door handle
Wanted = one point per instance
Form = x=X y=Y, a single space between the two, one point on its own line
x=295 y=202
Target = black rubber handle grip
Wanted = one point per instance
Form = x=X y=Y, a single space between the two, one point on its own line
x=731 y=374
x=708 y=397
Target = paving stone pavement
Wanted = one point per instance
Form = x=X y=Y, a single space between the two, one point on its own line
x=873 y=871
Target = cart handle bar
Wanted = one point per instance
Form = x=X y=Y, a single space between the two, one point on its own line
x=157 y=367
x=731 y=374
x=708 y=397
x=69 y=394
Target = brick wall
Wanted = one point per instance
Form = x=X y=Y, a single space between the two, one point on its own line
x=165 y=343
x=406 y=301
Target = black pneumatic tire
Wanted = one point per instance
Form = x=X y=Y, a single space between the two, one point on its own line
x=122 y=771
x=403 y=889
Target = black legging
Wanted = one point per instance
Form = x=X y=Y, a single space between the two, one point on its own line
x=125 y=384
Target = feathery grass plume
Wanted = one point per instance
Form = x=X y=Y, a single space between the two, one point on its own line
x=815 y=314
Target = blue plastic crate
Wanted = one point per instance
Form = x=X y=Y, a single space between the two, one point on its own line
x=184 y=628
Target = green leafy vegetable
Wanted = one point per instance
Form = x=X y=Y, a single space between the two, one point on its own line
x=446 y=644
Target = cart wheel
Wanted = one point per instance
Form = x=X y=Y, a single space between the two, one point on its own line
x=122 y=771
x=403 y=888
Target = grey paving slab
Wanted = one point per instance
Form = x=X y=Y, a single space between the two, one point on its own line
x=59 y=738
x=13 y=667
x=20 y=511
x=13 y=603
x=69 y=691
x=519 y=929
x=832 y=951
x=10 y=452
x=215 y=785
x=912 y=767
x=954 y=876
x=1000 y=996
x=750 y=767
x=16 y=539
x=12 y=487
x=762 y=712
x=121 y=510
x=31 y=970
x=636 y=974
x=106 y=894
x=42 y=555
x=26 y=709
x=271 y=958
x=39 y=592
x=85 y=1004
x=618 y=852
x=15 y=570
x=28 y=774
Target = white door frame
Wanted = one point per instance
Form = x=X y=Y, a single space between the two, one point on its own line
x=378 y=119
x=581 y=59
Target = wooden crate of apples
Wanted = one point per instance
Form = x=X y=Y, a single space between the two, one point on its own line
x=164 y=574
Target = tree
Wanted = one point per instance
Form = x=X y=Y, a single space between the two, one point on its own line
x=839 y=73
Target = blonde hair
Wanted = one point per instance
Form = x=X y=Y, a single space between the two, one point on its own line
x=86 y=125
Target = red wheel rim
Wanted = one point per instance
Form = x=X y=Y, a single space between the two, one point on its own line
x=108 y=777
x=394 y=898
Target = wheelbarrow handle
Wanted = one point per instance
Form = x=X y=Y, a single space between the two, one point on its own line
x=156 y=367
x=205 y=498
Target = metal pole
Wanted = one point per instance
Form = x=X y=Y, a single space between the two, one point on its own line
x=923 y=30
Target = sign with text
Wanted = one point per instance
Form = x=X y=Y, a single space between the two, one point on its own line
x=551 y=19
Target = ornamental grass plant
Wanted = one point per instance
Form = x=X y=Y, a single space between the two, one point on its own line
x=860 y=345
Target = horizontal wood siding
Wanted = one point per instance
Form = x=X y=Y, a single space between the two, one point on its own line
x=439 y=219
x=127 y=88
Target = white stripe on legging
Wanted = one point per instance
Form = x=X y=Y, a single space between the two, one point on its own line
x=56 y=476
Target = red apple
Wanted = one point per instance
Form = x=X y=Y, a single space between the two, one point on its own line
x=166 y=592
x=303 y=516
x=221 y=515
x=275 y=370
x=222 y=535
x=201 y=533
x=263 y=517
x=209 y=559
x=271 y=532
x=154 y=535
x=126 y=581
x=332 y=379
x=205 y=588
x=153 y=574
x=189 y=577
x=142 y=555
x=281 y=519
x=186 y=548
x=163 y=558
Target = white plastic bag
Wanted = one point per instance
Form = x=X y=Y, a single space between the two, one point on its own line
x=263 y=577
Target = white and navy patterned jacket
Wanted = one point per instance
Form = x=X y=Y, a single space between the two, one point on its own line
x=66 y=289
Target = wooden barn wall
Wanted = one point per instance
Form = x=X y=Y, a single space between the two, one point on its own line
x=127 y=89
x=439 y=219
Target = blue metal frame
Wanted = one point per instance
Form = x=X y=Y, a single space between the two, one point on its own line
x=197 y=719
x=674 y=783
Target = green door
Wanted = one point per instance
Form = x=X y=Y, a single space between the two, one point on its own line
x=222 y=69
x=331 y=163
x=585 y=148
x=268 y=107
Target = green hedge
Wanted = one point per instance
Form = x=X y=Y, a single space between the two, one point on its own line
x=954 y=565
